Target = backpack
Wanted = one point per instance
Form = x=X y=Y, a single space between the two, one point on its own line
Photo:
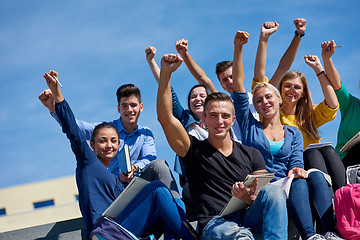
x=347 y=211
x=107 y=229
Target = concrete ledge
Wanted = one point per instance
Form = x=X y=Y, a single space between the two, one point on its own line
x=74 y=229
x=64 y=230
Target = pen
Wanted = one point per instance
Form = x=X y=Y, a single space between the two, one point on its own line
x=56 y=79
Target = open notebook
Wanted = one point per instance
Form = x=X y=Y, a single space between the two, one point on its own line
x=136 y=185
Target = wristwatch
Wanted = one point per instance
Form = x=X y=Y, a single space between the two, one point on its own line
x=299 y=35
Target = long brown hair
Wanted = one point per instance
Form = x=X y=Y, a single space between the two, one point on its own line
x=304 y=113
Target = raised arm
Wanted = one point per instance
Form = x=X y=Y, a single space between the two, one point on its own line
x=267 y=29
x=328 y=91
x=47 y=99
x=328 y=49
x=238 y=71
x=197 y=72
x=175 y=133
x=290 y=54
x=150 y=54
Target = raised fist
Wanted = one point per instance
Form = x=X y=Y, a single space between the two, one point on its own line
x=328 y=49
x=269 y=28
x=150 y=53
x=241 y=38
x=170 y=62
x=300 y=24
x=181 y=46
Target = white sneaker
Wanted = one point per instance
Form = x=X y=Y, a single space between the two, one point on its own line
x=332 y=236
x=316 y=237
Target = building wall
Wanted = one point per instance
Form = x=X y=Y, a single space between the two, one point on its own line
x=20 y=212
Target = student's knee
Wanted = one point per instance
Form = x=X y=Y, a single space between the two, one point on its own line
x=155 y=170
x=273 y=193
x=299 y=185
x=316 y=176
x=313 y=152
x=159 y=166
x=220 y=228
x=328 y=150
x=158 y=163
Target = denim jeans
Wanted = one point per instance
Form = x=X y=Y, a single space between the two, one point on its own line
x=306 y=194
x=155 y=211
x=266 y=218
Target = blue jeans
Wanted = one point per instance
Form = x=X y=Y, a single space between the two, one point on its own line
x=311 y=193
x=266 y=218
x=155 y=211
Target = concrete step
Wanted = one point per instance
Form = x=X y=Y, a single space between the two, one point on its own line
x=74 y=230
x=66 y=230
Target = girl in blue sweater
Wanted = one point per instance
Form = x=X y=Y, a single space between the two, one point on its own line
x=153 y=211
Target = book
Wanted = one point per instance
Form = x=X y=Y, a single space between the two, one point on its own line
x=236 y=204
x=123 y=158
x=135 y=186
x=285 y=183
x=352 y=142
x=318 y=145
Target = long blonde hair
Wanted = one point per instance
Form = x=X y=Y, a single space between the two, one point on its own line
x=304 y=113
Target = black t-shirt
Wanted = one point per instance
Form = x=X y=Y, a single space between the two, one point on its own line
x=211 y=175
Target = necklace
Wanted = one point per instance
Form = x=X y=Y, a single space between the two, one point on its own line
x=274 y=138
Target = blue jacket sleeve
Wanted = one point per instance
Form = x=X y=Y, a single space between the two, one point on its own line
x=243 y=115
x=85 y=127
x=78 y=144
x=148 y=151
x=178 y=110
x=296 y=157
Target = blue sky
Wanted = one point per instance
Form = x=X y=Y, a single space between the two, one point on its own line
x=96 y=46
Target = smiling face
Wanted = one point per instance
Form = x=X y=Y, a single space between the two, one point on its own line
x=219 y=117
x=197 y=100
x=129 y=109
x=292 y=90
x=266 y=102
x=226 y=80
x=105 y=144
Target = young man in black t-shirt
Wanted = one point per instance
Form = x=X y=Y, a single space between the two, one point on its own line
x=217 y=166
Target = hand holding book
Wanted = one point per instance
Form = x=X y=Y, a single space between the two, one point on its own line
x=235 y=203
x=245 y=193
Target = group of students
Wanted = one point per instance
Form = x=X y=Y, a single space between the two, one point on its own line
x=216 y=150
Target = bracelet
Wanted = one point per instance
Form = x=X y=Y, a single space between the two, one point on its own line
x=299 y=35
x=320 y=73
